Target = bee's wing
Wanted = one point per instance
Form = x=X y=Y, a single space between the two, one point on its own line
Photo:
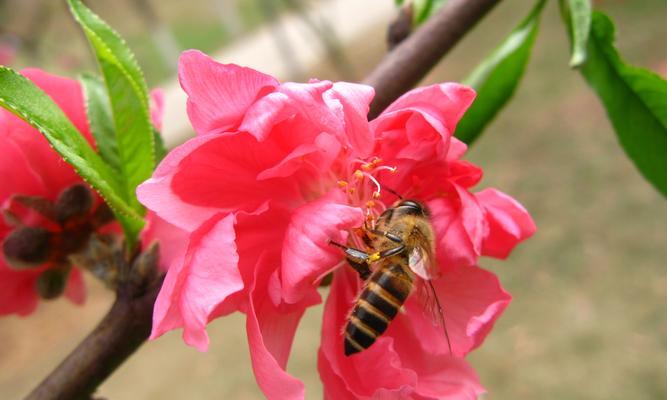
x=430 y=303
x=421 y=262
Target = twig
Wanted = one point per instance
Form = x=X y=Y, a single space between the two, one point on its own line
x=128 y=323
x=410 y=61
x=125 y=327
x=401 y=27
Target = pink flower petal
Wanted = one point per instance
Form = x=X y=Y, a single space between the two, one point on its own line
x=509 y=223
x=207 y=277
x=270 y=335
x=157 y=108
x=171 y=239
x=223 y=174
x=303 y=101
x=219 y=94
x=458 y=225
x=75 y=290
x=306 y=253
x=354 y=100
x=157 y=194
x=17 y=291
x=444 y=102
x=472 y=299
x=15 y=173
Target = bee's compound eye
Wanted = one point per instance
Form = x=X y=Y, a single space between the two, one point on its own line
x=412 y=207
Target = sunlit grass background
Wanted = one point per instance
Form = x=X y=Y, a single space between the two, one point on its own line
x=589 y=315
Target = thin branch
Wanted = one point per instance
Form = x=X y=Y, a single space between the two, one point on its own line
x=128 y=323
x=122 y=331
x=410 y=61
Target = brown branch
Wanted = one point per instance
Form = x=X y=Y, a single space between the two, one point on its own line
x=125 y=327
x=128 y=323
x=410 y=61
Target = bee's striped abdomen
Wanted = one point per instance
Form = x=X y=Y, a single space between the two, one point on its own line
x=378 y=304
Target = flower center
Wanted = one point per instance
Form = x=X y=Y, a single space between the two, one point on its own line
x=363 y=188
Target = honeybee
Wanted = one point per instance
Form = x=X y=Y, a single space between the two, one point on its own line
x=401 y=256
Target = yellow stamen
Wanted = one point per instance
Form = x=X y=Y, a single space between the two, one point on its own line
x=342 y=183
x=358 y=174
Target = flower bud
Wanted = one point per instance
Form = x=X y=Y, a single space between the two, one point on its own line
x=74 y=201
x=51 y=283
x=27 y=247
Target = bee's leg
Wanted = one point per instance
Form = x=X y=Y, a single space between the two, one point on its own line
x=388 y=235
x=358 y=259
x=361 y=268
x=387 y=253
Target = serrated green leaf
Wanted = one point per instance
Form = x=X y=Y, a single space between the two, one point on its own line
x=635 y=100
x=421 y=10
x=128 y=98
x=424 y=9
x=98 y=111
x=498 y=76
x=21 y=97
x=579 y=22
x=160 y=148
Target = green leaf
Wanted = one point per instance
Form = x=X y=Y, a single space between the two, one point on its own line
x=635 y=100
x=160 y=148
x=21 y=97
x=98 y=111
x=421 y=10
x=578 y=15
x=498 y=76
x=128 y=98
x=424 y=9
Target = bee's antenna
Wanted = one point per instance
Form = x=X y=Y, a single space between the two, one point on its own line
x=442 y=315
x=392 y=191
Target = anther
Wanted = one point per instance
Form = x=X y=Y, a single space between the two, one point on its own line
x=342 y=183
x=358 y=174
x=27 y=247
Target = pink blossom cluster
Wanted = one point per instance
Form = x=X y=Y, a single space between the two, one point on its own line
x=276 y=171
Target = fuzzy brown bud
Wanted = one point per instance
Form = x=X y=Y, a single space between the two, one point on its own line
x=75 y=201
x=51 y=283
x=27 y=247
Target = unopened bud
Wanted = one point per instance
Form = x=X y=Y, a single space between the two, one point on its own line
x=27 y=247
x=74 y=201
x=51 y=283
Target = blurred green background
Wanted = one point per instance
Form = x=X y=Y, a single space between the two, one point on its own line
x=588 y=319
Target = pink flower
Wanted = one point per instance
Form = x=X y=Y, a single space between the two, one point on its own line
x=29 y=167
x=278 y=170
x=48 y=212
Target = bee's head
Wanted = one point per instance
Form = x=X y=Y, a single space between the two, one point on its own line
x=412 y=207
